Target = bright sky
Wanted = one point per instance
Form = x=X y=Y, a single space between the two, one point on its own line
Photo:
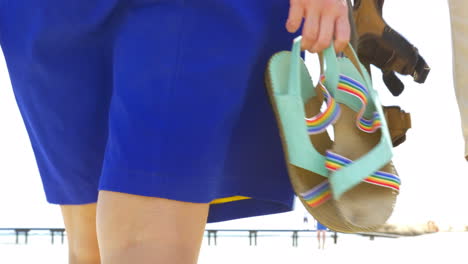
x=430 y=163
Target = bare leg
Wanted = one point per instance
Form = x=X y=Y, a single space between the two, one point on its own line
x=137 y=229
x=318 y=238
x=80 y=224
x=324 y=234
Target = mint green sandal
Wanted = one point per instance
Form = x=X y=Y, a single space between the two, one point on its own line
x=293 y=97
x=305 y=143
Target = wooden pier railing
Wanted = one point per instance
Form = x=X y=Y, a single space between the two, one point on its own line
x=211 y=234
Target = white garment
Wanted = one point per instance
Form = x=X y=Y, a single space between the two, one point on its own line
x=459 y=24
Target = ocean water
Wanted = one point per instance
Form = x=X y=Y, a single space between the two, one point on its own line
x=235 y=249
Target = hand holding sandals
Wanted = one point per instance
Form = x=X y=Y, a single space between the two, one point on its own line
x=327 y=20
x=324 y=21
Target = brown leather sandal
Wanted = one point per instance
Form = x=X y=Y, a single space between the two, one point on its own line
x=380 y=45
x=398 y=123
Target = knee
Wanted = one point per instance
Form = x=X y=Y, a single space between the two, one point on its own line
x=80 y=255
x=150 y=230
x=83 y=246
x=147 y=252
x=80 y=225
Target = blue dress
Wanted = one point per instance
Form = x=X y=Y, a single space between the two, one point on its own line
x=159 y=98
x=320 y=226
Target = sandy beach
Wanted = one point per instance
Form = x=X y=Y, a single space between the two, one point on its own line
x=447 y=247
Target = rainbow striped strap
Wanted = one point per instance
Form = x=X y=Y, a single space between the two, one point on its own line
x=336 y=162
x=317 y=195
x=322 y=192
x=320 y=122
x=348 y=85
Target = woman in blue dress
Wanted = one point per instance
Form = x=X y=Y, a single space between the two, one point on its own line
x=321 y=235
x=149 y=118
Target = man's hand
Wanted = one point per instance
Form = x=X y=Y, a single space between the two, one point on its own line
x=324 y=21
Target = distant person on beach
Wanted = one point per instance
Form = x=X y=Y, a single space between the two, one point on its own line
x=321 y=235
x=149 y=118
